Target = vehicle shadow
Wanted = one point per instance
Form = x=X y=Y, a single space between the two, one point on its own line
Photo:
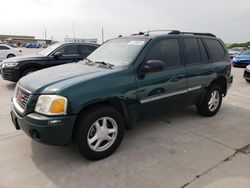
x=152 y=141
x=61 y=163
x=11 y=86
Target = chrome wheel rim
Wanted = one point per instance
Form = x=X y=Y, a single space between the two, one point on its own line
x=213 y=103
x=102 y=134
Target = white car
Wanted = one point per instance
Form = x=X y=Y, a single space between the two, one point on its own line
x=7 y=51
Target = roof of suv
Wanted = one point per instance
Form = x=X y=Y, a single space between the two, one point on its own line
x=153 y=34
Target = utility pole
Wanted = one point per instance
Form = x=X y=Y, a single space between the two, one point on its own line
x=45 y=34
x=102 y=35
x=73 y=29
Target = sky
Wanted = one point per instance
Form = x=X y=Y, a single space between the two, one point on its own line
x=227 y=19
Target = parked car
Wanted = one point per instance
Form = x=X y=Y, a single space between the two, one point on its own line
x=234 y=51
x=33 y=45
x=247 y=73
x=242 y=60
x=126 y=79
x=7 y=51
x=60 y=53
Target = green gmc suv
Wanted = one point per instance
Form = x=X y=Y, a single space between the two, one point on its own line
x=92 y=102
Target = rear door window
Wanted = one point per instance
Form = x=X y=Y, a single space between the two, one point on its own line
x=167 y=51
x=193 y=50
x=86 y=50
x=216 y=50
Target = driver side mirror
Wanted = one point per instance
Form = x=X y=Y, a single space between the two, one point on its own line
x=152 y=66
x=57 y=55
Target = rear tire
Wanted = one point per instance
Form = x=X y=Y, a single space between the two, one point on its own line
x=99 y=132
x=247 y=80
x=212 y=101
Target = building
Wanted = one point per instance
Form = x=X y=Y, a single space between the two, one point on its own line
x=93 y=40
x=21 y=40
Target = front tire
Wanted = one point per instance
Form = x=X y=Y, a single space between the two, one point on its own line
x=212 y=101
x=99 y=132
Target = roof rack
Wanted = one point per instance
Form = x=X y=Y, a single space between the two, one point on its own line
x=146 y=33
x=193 y=33
x=176 y=32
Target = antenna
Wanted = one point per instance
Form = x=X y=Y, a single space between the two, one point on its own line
x=102 y=35
x=73 y=29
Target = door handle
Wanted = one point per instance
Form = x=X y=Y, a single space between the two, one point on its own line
x=178 y=77
x=211 y=71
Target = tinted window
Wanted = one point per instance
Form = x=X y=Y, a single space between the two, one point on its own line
x=216 y=50
x=87 y=49
x=166 y=51
x=69 y=50
x=4 y=48
x=204 y=54
x=193 y=50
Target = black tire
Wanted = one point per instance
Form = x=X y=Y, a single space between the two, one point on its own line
x=204 y=109
x=247 y=80
x=85 y=124
x=10 y=55
x=28 y=71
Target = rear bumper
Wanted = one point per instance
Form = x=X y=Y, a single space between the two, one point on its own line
x=240 y=64
x=10 y=74
x=47 y=130
x=229 y=83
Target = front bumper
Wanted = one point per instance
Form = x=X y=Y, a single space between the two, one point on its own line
x=247 y=74
x=44 y=129
x=10 y=74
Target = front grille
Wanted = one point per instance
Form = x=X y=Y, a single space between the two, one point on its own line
x=22 y=97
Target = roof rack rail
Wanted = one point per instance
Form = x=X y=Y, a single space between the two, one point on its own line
x=193 y=33
x=146 y=33
x=175 y=32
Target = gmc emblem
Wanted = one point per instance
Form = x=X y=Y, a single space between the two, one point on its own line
x=20 y=96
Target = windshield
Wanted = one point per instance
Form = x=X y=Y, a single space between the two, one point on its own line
x=246 y=52
x=48 y=50
x=118 y=52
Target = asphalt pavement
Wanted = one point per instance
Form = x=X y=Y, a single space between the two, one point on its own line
x=173 y=150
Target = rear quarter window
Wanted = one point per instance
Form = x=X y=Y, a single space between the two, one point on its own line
x=216 y=49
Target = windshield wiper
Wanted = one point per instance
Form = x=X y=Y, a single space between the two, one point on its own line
x=105 y=64
x=88 y=61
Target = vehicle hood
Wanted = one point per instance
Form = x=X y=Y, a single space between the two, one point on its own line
x=52 y=80
x=24 y=58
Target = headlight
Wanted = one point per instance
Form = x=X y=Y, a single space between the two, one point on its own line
x=10 y=64
x=248 y=67
x=51 y=105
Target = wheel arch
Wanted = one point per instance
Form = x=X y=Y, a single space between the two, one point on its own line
x=11 y=54
x=118 y=103
x=221 y=81
x=30 y=66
